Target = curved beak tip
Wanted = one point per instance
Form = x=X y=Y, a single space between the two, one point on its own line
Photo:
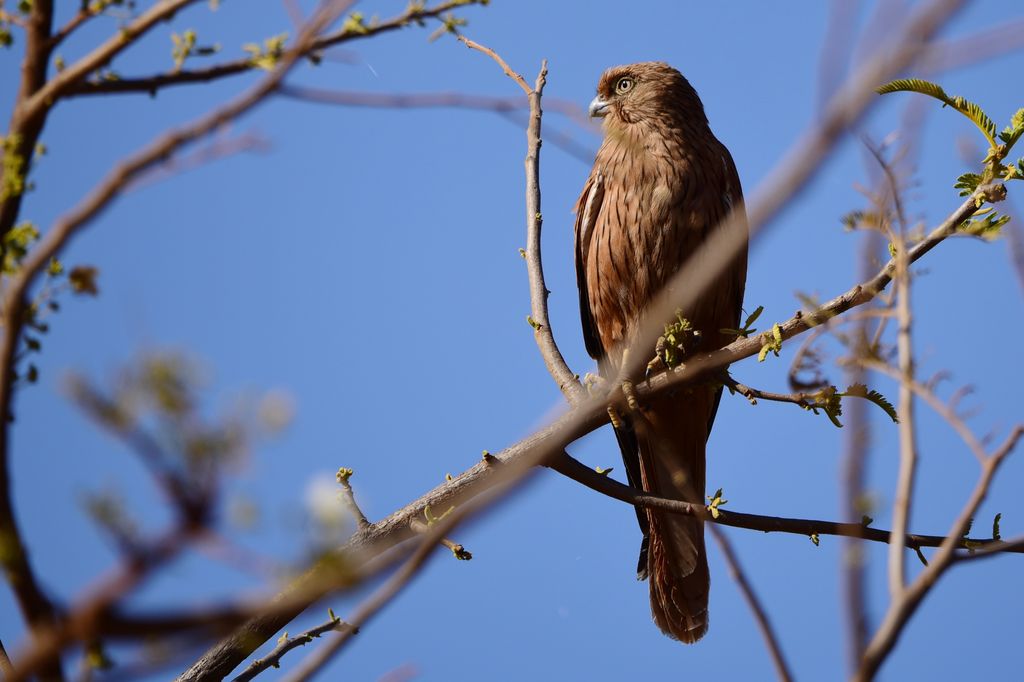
x=598 y=108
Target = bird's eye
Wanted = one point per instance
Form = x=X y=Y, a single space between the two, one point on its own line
x=623 y=85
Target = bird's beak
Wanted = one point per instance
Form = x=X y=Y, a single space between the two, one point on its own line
x=598 y=108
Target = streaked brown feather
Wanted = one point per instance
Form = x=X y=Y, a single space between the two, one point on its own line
x=661 y=183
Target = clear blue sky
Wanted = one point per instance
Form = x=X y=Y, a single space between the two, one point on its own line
x=367 y=265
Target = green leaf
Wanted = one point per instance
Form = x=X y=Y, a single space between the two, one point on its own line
x=988 y=227
x=1012 y=132
x=815 y=539
x=964 y=106
x=862 y=391
x=995 y=527
x=772 y=342
x=855 y=220
x=967 y=183
x=915 y=85
x=752 y=317
x=747 y=328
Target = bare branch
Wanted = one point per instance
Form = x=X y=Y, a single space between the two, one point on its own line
x=908 y=441
x=568 y=382
x=567 y=466
x=75 y=73
x=506 y=68
x=905 y=604
x=348 y=497
x=764 y=624
x=286 y=644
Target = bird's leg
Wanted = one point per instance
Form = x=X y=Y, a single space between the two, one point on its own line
x=628 y=389
x=613 y=416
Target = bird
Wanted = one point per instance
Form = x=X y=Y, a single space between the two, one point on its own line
x=660 y=187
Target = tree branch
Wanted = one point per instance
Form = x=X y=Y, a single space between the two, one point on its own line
x=764 y=624
x=571 y=468
x=901 y=505
x=906 y=602
x=273 y=659
x=35 y=606
x=550 y=442
x=151 y=84
x=75 y=73
x=567 y=380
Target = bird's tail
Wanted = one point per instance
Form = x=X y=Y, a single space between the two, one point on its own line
x=672 y=451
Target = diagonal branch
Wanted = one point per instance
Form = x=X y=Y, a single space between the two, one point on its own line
x=764 y=623
x=906 y=602
x=273 y=659
x=549 y=443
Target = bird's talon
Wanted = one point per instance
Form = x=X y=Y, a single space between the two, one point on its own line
x=655 y=366
x=613 y=415
x=629 y=391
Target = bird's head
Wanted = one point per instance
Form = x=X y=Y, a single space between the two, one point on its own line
x=646 y=91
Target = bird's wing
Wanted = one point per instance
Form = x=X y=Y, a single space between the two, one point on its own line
x=587 y=209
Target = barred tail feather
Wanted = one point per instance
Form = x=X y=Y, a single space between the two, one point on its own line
x=672 y=451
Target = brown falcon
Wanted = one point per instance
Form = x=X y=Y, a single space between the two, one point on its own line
x=661 y=185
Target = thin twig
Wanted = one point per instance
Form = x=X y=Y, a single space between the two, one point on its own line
x=945 y=411
x=457 y=550
x=808 y=401
x=151 y=84
x=505 y=67
x=764 y=623
x=568 y=382
x=429 y=537
x=286 y=644
x=348 y=497
x=75 y=73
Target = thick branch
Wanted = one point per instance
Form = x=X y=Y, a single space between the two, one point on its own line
x=35 y=606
